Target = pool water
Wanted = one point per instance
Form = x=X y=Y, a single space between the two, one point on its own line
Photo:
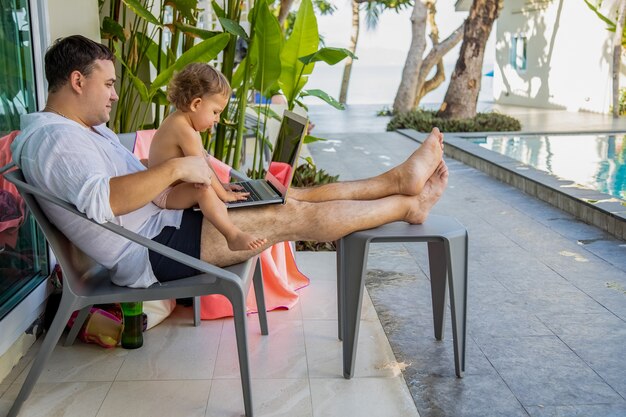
x=597 y=161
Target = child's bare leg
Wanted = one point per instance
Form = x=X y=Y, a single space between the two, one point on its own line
x=187 y=195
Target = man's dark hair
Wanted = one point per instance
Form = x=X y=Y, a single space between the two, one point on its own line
x=73 y=53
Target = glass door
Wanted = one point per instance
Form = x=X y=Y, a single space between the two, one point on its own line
x=23 y=259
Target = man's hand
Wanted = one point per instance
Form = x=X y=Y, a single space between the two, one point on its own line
x=194 y=169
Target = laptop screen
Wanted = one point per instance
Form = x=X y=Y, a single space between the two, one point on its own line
x=286 y=150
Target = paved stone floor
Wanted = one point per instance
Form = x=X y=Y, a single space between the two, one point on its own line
x=546 y=300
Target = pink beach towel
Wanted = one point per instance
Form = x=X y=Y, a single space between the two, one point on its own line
x=281 y=277
x=12 y=206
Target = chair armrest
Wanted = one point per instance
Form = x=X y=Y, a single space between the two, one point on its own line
x=183 y=258
x=7 y=167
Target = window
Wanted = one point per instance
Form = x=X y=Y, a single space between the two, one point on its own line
x=22 y=246
x=517 y=57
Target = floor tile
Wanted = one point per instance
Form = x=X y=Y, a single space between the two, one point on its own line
x=80 y=362
x=600 y=410
x=177 y=351
x=156 y=398
x=372 y=397
x=270 y=398
x=79 y=399
x=324 y=351
x=471 y=396
x=281 y=354
x=544 y=371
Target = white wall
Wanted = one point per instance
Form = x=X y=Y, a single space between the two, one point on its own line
x=568 y=56
x=73 y=17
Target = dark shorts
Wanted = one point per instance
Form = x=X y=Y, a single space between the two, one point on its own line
x=185 y=239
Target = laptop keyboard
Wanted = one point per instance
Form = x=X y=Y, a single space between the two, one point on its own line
x=254 y=196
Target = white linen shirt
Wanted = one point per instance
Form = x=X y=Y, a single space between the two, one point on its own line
x=76 y=164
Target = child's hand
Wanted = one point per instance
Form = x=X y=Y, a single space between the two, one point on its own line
x=235 y=196
x=233 y=187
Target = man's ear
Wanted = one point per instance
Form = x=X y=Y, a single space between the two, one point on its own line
x=195 y=103
x=76 y=81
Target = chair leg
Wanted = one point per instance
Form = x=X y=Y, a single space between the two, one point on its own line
x=78 y=323
x=196 y=311
x=354 y=254
x=238 y=301
x=259 y=293
x=340 y=289
x=457 y=276
x=66 y=308
x=438 y=283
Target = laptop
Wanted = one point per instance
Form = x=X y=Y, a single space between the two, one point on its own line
x=270 y=190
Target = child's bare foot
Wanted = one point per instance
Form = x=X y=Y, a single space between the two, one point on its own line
x=433 y=189
x=244 y=241
x=420 y=166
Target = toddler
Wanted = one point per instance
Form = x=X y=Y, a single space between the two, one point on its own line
x=200 y=93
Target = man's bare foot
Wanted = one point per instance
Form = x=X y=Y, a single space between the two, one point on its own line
x=433 y=189
x=420 y=166
x=244 y=241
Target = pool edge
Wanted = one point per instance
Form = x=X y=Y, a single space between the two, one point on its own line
x=593 y=207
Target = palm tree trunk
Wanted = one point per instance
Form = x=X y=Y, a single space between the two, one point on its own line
x=354 y=39
x=462 y=95
x=617 y=56
x=405 y=96
x=285 y=6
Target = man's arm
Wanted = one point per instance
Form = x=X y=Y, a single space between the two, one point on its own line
x=130 y=192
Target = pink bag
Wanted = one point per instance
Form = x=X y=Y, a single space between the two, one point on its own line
x=101 y=327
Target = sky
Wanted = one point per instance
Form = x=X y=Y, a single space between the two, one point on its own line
x=381 y=54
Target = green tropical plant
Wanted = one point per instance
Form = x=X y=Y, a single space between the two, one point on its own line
x=275 y=63
x=139 y=40
x=611 y=24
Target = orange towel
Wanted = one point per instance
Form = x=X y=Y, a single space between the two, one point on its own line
x=281 y=277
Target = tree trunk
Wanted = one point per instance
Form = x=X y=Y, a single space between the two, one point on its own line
x=462 y=95
x=435 y=57
x=285 y=6
x=617 y=56
x=347 y=69
x=405 y=96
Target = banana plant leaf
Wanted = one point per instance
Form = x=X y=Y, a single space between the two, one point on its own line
x=234 y=28
x=323 y=96
x=304 y=40
x=188 y=8
x=329 y=55
x=141 y=11
x=111 y=29
x=205 y=51
x=195 y=31
x=265 y=49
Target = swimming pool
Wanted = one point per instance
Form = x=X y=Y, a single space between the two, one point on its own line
x=597 y=161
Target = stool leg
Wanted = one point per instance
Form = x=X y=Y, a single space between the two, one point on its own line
x=438 y=283
x=196 y=311
x=354 y=260
x=457 y=267
x=340 y=289
x=259 y=293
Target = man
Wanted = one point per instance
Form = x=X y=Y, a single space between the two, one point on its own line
x=67 y=149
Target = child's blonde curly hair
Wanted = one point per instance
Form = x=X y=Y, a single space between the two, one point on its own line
x=195 y=81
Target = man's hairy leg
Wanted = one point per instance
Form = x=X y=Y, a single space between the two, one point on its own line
x=408 y=178
x=320 y=221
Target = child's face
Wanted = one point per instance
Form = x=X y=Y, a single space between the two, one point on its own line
x=206 y=111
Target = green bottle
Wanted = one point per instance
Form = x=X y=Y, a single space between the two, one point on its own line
x=132 y=336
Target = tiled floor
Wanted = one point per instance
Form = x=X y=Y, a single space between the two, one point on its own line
x=546 y=297
x=186 y=371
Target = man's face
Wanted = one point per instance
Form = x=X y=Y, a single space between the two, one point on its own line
x=98 y=93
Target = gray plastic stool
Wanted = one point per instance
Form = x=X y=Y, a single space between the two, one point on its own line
x=447 y=258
